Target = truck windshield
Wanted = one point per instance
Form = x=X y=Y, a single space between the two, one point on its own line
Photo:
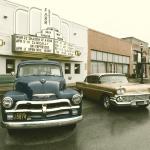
x=39 y=70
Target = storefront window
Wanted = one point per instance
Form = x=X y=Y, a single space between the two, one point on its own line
x=67 y=68
x=109 y=67
x=110 y=58
x=115 y=58
x=125 y=69
x=77 y=68
x=93 y=55
x=120 y=59
x=94 y=67
x=127 y=58
x=104 y=56
x=10 y=65
x=101 y=67
x=119 y=68
x=99 y=56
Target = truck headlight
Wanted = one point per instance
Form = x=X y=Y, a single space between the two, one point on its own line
x=7 y=102
x=76 y=99
x=120 y=91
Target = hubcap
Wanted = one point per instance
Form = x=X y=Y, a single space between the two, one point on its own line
x=106 y=102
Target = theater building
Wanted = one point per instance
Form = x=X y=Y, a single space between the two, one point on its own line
x=35 y=33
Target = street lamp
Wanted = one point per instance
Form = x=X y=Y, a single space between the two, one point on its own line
x=142 y=67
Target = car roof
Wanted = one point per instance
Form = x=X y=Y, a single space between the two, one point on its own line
x=102 y=74
x=39 y=62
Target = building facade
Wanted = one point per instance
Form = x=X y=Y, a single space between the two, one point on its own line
x=108 y=54
x=138 y=47
x=34 y=33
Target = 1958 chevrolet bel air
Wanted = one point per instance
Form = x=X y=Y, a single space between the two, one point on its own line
x=113 y=89
x=40 y=98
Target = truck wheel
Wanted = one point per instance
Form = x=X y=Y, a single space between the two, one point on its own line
x=106 y=103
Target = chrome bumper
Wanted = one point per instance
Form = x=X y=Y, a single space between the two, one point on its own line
x=41 y=124
x=134 y=103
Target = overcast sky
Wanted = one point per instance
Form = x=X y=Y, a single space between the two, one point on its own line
x=119 y=18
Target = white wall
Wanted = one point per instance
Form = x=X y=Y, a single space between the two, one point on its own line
x=5 y=49
x=2 y=65
x=21 y=23
x=72 y=77
x=35 y=15
x=6 y=19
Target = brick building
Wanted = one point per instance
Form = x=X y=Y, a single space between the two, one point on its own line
x=136 y=56
x=108 y=54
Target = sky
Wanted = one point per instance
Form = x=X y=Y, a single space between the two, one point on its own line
x=119 y=18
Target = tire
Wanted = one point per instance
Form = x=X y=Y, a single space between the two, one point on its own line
x=106 y=103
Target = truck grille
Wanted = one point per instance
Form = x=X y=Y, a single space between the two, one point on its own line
x=43 y=109
x=39 y=106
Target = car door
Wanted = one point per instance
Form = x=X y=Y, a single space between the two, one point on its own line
x=91 y=89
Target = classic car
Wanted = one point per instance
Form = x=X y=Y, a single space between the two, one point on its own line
x=113 y=89
x=40 y=98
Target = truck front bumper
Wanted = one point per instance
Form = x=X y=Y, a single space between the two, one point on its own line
x=41 y=124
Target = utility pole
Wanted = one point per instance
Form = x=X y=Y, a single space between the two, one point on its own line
x=142 y=67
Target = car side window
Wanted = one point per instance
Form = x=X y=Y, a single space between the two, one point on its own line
x=87 y=79
x=95 y=79
x=92 y=79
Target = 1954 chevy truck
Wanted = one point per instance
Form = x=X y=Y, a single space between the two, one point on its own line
x=40 y=98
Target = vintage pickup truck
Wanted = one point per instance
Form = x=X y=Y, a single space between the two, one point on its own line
x=40 y=98
x=113 y=89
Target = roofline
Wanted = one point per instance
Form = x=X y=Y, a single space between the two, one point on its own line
x=15 y=4
x=131 y=37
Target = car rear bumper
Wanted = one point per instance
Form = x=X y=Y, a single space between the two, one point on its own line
x=41 y=124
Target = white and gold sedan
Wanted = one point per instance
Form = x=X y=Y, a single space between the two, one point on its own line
x=113 y=89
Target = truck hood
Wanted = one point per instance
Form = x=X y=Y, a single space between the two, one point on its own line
x=39 y=85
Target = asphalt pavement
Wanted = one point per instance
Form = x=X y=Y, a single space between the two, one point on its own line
x=121 y=129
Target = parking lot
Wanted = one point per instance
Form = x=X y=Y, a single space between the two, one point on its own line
x=121 y=129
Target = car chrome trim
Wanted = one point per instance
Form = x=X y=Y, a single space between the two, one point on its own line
x=146 y=102
x=41 y=124
x=131 y=102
